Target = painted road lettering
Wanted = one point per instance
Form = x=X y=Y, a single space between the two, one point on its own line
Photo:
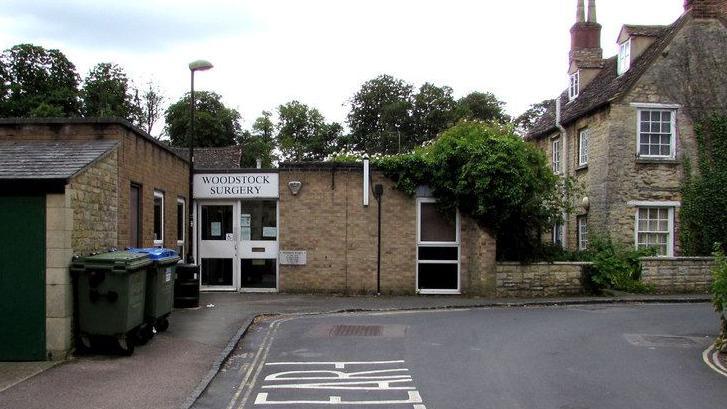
x=339 y=383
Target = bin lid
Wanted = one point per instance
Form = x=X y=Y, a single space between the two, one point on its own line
x=115 y=260
x=155 y=253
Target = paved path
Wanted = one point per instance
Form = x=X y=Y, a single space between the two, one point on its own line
x=574 y=357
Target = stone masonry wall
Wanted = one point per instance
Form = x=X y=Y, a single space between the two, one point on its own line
x=94 y=195
x=678 y=275
x=539 y=279
x=328 y=220
x=58 y=287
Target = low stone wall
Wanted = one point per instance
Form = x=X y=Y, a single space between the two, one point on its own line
x=679 y=274
x=539 y=279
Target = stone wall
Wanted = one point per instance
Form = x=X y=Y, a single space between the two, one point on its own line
x=327 y=219
x=94 y=196
x=539 y=279
x=58 y=289
x=678 y=275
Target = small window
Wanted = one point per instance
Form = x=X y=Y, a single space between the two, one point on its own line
x=655 y=229
x=583 y=147
x=558 y=234
x=624 y=56
x=180 y=226
x=656 y=133
x=556 y=156
x=574 y=86
x=582 y=233
x=158 y=218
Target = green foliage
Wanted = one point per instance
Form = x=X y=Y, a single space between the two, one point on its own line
x=259 y=143
x=37 y=82
x=150 y=105
x=530 y=117
x=107 y=92
x=303 y=133
x=433 y=112
x=617 y=266
x=481 y=106
x=215 y=124
x=719 y=274
x=489 y=174
x=703 y=216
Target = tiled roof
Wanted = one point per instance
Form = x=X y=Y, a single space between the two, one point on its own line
x=606 y=87
x=35 y=160
x=227 y=157
x=645 y=31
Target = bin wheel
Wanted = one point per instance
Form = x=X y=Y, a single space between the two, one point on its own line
x=162 y=324
x=127 y=344
x=143 y=334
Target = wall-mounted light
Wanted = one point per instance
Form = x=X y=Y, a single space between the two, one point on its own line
x=294 y=186
x=586 y=203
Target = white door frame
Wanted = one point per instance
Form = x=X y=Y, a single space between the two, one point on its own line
x=419 y=243
x=270 y=246
x=219 y=248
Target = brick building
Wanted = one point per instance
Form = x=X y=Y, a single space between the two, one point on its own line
x=75 y=186
x=625 y=124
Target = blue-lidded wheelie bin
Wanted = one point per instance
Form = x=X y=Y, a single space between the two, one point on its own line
x=159 y=287
x=111 y=294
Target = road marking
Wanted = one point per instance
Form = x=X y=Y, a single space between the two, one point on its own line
x=385 y=383
x=711 y=358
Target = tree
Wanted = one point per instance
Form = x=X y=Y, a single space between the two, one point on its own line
x=151 y=102
x=37 y=82
x=215 y=124
x=529 y=118
x=259 y=143
x=380 y=116
x=303 y=133
x=107 y=92
x=482 y=106
x=434 y=111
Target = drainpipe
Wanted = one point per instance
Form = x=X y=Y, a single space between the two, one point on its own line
x=564 y=159
x=378 y=192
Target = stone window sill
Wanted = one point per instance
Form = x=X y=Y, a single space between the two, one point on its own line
x=647 y=161
x=582 y=167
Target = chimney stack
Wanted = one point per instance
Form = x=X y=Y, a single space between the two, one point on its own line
x=706 y=8
x=586 y=51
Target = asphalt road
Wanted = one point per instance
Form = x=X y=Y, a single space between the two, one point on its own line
x=579 y=357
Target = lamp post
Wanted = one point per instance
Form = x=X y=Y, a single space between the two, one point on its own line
x=199 y=65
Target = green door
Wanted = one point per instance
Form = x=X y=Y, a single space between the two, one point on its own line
x=22 y=278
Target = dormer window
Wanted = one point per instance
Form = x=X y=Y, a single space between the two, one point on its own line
x=575 y=84
x=624 y=56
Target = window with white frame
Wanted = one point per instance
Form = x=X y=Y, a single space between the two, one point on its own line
x=558 y=232
x=180 y=226
x=158 y=218
x=437 y=248
x=583 y=146
x=657 y=137
x=624 y=57
x=574 y=85
x=582 y=232
x=655 y=229
x=556 y=156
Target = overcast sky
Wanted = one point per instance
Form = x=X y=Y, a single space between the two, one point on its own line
x=268 y=52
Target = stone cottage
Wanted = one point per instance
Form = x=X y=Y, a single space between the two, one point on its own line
x=625 y=124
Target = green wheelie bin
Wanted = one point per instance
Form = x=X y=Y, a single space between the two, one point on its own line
x=111 y=291
x=159 y=288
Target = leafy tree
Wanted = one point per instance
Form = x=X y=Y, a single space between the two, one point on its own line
x=704 y=198
x=259 y=143
x=215 y=124
x=150 y=104
x=380 y=115
x=434 y=111
x=37 y=82
x=527 y=119
x=303 y=133
x=482 y=106
x=489 y=174
x=107 y=92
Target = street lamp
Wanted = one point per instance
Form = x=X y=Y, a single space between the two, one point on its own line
x=199 y=65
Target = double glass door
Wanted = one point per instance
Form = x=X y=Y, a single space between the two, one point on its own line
x=238 y=245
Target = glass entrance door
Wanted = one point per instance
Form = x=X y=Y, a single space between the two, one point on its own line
x=217 y=246
x=258 y=245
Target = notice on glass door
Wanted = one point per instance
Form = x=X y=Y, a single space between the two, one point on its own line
x=215 y=229
x=270 y=232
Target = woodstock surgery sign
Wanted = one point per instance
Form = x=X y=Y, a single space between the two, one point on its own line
x=235 y=185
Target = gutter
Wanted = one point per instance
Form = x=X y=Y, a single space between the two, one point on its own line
x=564 y=159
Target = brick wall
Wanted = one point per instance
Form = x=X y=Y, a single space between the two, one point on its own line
x=539 y=279
x=678 y=275
x=328 y=220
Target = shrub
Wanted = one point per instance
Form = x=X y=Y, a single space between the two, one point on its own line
x=719 y=294
x=617 y=266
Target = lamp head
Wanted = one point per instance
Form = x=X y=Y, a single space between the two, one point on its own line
x=200 y=65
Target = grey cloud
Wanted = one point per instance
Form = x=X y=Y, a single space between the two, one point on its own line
x=138 y=26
